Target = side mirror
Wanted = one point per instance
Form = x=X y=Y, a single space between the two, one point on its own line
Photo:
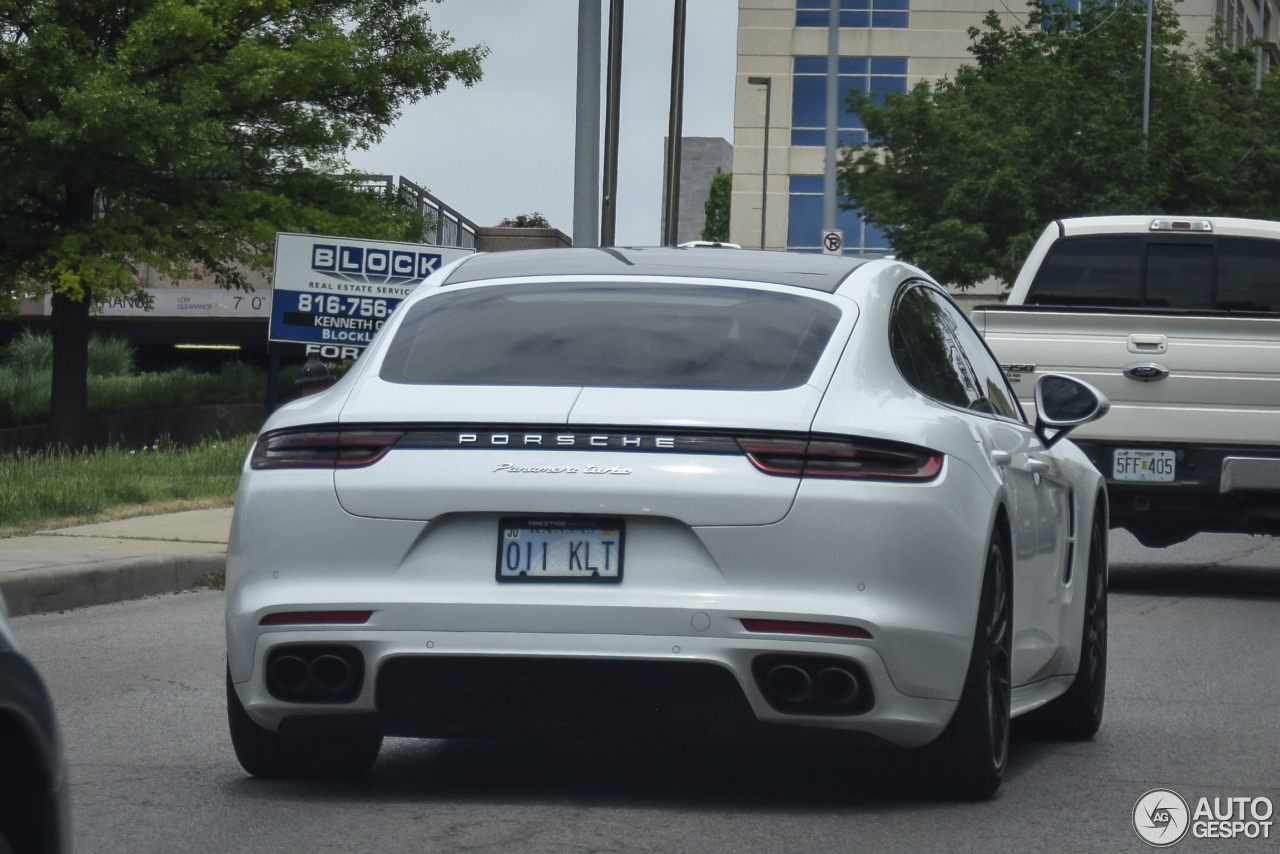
x=1063 y=404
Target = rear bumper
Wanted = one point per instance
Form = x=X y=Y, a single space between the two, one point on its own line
x=1229 y=488
x=441 y=684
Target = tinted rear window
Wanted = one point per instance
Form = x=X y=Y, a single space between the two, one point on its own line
x=631 y=336
x=1179 y=276
x=1104 y=271
x=1248 y=275
x=1108 y=272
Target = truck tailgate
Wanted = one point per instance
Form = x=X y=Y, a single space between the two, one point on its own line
x=1222 y=385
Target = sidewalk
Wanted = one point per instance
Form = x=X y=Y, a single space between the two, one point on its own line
x=112 y=561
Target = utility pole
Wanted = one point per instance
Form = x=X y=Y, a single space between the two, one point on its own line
x=609 y=211
x=675 y=127
x=767 y=83
x=586 y=157
x=833 y=116
x=1146 y=81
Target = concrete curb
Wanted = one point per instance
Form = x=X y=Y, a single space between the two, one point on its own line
x=39 y=591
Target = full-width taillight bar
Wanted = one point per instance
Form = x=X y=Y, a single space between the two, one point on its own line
x=840 y=456
x=322 y=448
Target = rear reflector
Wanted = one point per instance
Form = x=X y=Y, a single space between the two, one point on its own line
x=795 y=627
x=316 y=618
x=843 y=457
x=323 y=447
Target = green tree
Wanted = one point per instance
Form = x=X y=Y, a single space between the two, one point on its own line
x=716 y=207
x=184 y=134
x=1047 y=123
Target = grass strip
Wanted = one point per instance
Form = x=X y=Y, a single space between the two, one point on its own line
x=36 y=488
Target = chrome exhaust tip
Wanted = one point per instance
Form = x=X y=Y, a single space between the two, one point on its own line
x=331 y=673
x=289 y=673
x=789 y=683
x=836 y=685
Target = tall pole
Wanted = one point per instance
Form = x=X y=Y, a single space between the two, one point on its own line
x=767 y=83
x=833 y=116
x=1146 y=81
x=675 y=127
x=586 y=158
x=609 y=208
x=1257 y=69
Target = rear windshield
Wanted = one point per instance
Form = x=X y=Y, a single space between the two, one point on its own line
x=1223 y=274
x=631 y=336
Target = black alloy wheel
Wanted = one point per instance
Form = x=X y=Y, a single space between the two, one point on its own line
x=999 y=651
x=968 y=760
x=1077 y=714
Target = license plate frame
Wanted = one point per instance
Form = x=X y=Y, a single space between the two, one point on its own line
x=550 y=539
x=1151 y=468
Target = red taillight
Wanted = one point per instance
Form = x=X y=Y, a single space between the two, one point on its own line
x=326 y=447
x=315 y=618
x=775 y=455
x=841 y=457
x=796 y=627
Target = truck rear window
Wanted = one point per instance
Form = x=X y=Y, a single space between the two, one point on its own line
x=1224 y=274
x=1105 y=271
x=630 y=336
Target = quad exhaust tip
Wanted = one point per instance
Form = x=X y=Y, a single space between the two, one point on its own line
x=813 y=684
x=315 y=673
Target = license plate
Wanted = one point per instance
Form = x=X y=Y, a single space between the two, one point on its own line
x=1152 y=466
x=563 y=549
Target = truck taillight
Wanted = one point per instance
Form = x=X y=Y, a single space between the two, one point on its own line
x=841 y=457
x=322 y=447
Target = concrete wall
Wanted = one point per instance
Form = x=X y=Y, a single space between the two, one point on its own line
x=699 y=158
x=499 y=239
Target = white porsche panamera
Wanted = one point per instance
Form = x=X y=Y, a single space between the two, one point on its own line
x=669 y=492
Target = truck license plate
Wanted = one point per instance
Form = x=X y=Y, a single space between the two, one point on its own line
x=1152 y=466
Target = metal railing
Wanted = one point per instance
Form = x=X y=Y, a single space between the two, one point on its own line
x=452 y=228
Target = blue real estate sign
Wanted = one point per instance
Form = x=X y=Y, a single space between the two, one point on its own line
x=332 y=294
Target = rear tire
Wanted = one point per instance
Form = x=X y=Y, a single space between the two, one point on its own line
x=1077 y=714
x=968 y=760
x=330 y=752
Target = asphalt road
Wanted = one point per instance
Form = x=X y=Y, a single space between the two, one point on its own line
x=1192 y=705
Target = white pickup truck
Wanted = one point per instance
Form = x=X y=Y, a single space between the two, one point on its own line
x=1177 y=319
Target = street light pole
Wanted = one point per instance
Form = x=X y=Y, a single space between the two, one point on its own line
x=586 y=160
x=767 y=83
x=609 y=210
x=1146 y=81
x=675 y=127
x=833 y=116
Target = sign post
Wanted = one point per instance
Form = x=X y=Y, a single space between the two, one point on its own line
x=832 y=241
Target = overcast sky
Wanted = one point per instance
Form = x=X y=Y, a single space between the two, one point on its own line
x=505 y=146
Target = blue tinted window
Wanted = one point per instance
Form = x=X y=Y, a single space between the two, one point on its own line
x=804 y=227
x=809 y=94
x=890 y=21
x=806 y=183
x=809 y=102
x=889 y=65
x=859 y=14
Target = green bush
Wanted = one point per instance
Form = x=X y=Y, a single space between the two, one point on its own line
x=32 y=352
